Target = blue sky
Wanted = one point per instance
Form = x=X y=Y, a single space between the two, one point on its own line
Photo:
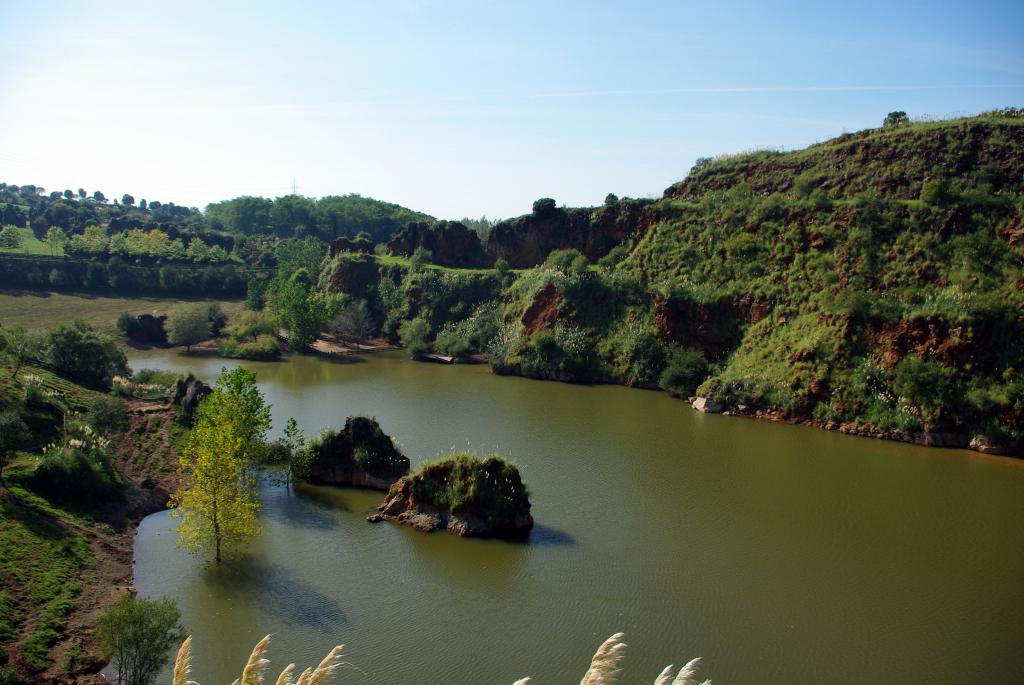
x=467 y=108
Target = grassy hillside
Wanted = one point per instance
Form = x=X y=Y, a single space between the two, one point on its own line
x=872 y=283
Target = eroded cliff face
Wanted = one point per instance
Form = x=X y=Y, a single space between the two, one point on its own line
x=360 y=455
x=526 y=241
x=450 y=243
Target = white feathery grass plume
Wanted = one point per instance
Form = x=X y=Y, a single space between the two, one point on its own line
x=252 y=674
x=604 y=667
x=304 y=677
x=286 y=675
x=665 y=677
x=182 y=664
x=688 y=673
x=522 y=681
x=331 y=663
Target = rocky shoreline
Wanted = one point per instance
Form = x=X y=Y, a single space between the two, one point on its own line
x=922 y=438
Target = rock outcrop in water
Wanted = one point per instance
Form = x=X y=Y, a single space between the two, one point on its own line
x=360 y=455
x=467 y=495
x=188 y=393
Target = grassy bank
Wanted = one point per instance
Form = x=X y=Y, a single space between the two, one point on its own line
x=39 y=309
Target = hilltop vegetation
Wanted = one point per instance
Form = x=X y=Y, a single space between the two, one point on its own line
x=873 y=283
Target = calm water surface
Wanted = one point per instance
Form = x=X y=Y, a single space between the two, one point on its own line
x=777 y=553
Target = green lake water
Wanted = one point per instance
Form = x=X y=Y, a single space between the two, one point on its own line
x=778 y=553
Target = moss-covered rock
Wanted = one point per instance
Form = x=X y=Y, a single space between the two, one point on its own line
x=464 y=493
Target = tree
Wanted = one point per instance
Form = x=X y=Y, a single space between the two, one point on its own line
x=137 y=635
x=99 y=197
x=55 y=238
x=10 y=237
x=188 y=326
x=20 y=346
x=294 y=453
x=218 y=502
x=355 y=323
x=142 y=204
x=80 y=352
x=300 y=311
x=81 y=193
x=68 y=194
x=892 y=119
x=413 y=334
x=127 y=199
x=216 y=316
x=13 y=436
x=253 y=323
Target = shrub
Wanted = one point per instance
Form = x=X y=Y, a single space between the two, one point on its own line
x=80 y=352
x=570 y=260
x=81 y=474
x=421 y=257
x=413 y=334
x=107 y=416
x=685 y=370
x=263 y=350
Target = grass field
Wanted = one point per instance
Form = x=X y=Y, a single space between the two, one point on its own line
x=31 y=245
x=40 y=309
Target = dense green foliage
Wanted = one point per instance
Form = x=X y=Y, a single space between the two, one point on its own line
x=297 y=216
x=79 y=352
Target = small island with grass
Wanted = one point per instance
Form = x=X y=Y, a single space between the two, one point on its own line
x=469 y=495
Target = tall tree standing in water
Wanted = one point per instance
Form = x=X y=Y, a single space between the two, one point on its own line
x=218 y=502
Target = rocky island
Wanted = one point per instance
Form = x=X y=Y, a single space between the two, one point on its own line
x=360 y=455
x=469 y=495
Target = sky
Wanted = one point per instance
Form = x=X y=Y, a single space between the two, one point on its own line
x=465 y=108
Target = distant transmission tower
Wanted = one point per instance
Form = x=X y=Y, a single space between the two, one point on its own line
x=295 y=187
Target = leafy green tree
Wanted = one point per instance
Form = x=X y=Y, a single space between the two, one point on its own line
x=127 y=200
x=81 y=193
x=99 y=197
x=218 y=502
x=20 y=346
x=137 y=636
x=893 y=119
x=188 y=325
x=413 y=334
x=502 y=266
x=13 y=436
x=80 y=352
x=55 y=238
x=10 y=237
x=216 y=316
x=300 y=311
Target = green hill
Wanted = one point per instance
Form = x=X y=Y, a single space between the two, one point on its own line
x=872 y=283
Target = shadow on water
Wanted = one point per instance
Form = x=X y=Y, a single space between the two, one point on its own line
x=546 y=536
x=277 y=591
x=304 y=510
